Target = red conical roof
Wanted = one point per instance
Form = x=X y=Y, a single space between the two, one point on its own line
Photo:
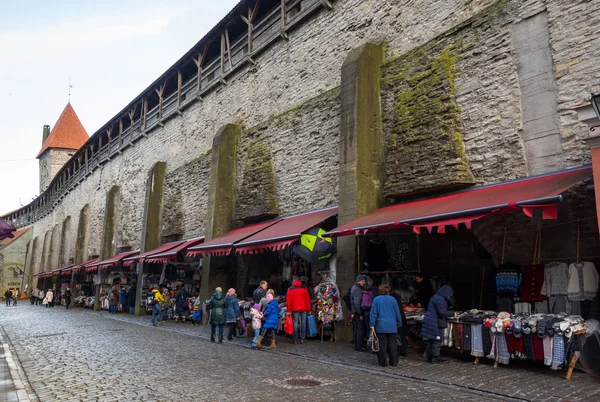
x=67 y=133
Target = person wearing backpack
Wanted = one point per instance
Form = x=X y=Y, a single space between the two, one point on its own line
x=217 y=306
x=181 y=304
x=155 y=298
x=358 y=318
x=367 y=301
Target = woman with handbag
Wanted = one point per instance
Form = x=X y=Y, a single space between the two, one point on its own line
x=434 y=322
x=384 y=321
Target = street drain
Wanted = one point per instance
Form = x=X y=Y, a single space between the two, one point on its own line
x=301 y=382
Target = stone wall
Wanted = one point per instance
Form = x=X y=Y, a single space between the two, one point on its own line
x=12 y=259
x=288 y=103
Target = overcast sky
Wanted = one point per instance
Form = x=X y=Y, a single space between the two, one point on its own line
x=111 y=50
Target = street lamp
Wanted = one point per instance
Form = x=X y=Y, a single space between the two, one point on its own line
x=596 y=104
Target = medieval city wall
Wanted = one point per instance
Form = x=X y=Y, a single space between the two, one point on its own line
x=457 y=55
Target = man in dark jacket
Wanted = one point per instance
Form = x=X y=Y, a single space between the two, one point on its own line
x=358 y=318
x=431 y=330
x=131 y=299
x=260 y=292
x=424 y=291
x=298 y=305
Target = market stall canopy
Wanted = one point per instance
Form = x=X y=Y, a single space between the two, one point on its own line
x=85 y=263
x=116 y=259
x=223 y=245
x=142 y=257
x=66 y=270
x=6 y=230
x=284 y=232
x=537 y=192
x=172 y=254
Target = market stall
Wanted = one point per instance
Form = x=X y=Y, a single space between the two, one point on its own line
x=277 y=251
x=511 y=269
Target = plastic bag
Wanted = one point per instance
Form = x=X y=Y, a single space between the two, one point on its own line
x=373 y=342
x=311 y=325
x=288 y=325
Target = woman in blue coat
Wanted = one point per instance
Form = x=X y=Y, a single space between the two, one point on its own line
x=233 y=313
x=431 y=331
x=271 y=317
x=385 y=320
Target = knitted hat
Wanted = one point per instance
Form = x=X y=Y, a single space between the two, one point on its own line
x=231 y=291
x=269 y=297
x=526 y=328
x=361 y=278
x=218 y=290
x=256 y=307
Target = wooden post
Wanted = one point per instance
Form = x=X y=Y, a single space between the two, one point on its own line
x=228 y=49
x=199 y=63
x=120 y=133
x=159 y=92
x=496 y=364
x=131 y=114
x=476 y=362
x=145 y=112
x=571 y=366
x=178 y=89
x=222 y=55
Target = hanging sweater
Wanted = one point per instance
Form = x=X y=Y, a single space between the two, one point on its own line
x=533 y=281
x=583 y=281
x=508 y=280
x=556 y=279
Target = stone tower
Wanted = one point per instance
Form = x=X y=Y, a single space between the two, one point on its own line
x=58 y=145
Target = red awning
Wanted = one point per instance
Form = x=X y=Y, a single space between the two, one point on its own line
x=171 y=255
x=223 y=245
x=142 y=257
x=78 y=268
x=283 y=233
x=538 y=192
x=66 y=270
x=114 y=260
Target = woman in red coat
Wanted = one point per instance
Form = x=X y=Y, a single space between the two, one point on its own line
x=298 y=304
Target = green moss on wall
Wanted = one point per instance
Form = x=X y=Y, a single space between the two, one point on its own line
x=256 y=195
x=425 y=148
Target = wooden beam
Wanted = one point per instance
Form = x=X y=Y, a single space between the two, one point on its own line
x=120 y=133
x=159 y=92
x=200 y=63
x=179 y=82
x=284 y=34
x=222 y=55
x=255 y=11
x=327 y=4
x=145 y=112
x=228 y=48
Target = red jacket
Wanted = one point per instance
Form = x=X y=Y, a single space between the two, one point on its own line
x=297 y=298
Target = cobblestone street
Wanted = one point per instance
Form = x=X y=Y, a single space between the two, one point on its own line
x=84 y=355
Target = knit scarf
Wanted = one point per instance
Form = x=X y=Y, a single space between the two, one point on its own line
x=456 y=335
x=487 y=340
x=494 y=349
x=558 y=354
x=528 y=341
x=548 y=343
x=503 y=356
x=476 y=341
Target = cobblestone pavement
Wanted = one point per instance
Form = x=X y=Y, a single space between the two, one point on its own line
x=83 y=355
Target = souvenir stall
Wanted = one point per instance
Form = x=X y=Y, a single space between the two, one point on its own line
x=83 y=286
x=328 y=305
x=277 y=251
x=512 y=265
